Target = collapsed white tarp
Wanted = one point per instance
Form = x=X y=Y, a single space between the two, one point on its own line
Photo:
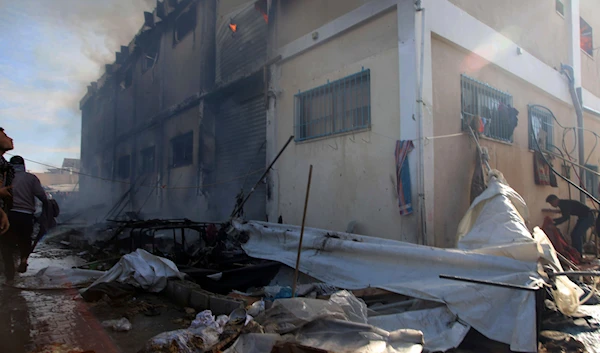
x=143 y=270
x=335 y=325
x=353 y=261
x=53 y=277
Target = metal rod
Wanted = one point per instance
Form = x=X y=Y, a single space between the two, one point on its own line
x=302 y=232
x=490 y=283
x=241 y=206
x=574 y=273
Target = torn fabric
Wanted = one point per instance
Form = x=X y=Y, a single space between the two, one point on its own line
x=403 y=188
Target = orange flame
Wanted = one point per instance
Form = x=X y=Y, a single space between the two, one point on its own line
x=233 y=27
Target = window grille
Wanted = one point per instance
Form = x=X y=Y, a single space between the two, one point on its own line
x=492 y=106
x=334 y=108
x=541 y=124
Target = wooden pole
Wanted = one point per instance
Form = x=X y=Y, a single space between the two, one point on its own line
x=302 y=232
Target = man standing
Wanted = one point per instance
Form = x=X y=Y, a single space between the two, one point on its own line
x=585 y=218
x=26 y=187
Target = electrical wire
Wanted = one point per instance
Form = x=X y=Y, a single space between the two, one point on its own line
x=162 y=187
x=554 y=170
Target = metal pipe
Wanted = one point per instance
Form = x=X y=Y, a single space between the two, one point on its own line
x=302 y=232
x=575 y=273
x=490 y=283
x=569 y=72
x=421 y=155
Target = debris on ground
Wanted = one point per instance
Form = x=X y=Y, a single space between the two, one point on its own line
x=140 y=269
x=60 y=348
x=120 y=325
x=354 y=293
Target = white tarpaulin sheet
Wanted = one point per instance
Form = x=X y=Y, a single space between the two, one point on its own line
x=53 y=277
x=143 y=270
x=500 y=249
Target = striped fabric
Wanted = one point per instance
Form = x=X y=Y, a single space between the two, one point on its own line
x=403 y=189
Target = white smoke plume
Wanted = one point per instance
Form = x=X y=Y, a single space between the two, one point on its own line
x=52 y=49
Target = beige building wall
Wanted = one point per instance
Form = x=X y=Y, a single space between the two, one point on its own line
x=532 y=24
x=302 y=17
x=455 y=156
x=590 y=65
x=354 y=174
x=48 y=179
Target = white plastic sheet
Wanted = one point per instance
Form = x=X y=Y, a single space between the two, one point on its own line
x=53 y=277
x=496 y=246
x=143 y=270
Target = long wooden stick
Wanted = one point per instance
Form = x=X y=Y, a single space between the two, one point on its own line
x=239 y=207
x=302 y=232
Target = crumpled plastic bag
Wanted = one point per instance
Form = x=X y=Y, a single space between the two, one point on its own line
x=120 y=325
x=180 y=341
x=287 y=315
x=257 y=308
x=202 y=334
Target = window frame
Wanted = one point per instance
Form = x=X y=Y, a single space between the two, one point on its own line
x=561 y=14
x=532 y=110
x=485 y=94
x=593 y=179
x=581 y=36
x=181 y=139
x=155 y=46
x=121 y=172
x=144 y=167
x=334 y=108
x=191 y=11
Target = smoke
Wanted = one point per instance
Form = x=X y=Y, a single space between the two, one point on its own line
x=52 y=49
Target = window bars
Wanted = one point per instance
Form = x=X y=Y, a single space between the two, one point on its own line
x=492 y=106
x=334 y=108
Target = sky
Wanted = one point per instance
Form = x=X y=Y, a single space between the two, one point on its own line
x=50 y=50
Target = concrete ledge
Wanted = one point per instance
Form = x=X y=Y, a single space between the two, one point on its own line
x=190 y=294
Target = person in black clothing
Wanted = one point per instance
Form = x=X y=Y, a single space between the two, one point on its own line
x=585 y=218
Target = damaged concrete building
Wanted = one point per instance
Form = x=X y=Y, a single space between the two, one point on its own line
x=204 y=97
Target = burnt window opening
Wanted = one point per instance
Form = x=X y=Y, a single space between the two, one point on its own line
x=586 y=39
x=150 y=56
x=184 y=24
x=262 y=7
x=147 y=162
x=487 y=110
x=127 y=79
x=560 y=7
x=182 y=150
x=124 y=167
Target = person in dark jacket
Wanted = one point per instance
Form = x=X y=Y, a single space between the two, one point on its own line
x=26 y=187
x=585 y=218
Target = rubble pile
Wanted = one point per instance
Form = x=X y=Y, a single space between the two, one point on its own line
x=355 y=293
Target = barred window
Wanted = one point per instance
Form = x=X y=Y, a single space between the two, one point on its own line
x=337 y=107
x=490 y=106
x=541 y=125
